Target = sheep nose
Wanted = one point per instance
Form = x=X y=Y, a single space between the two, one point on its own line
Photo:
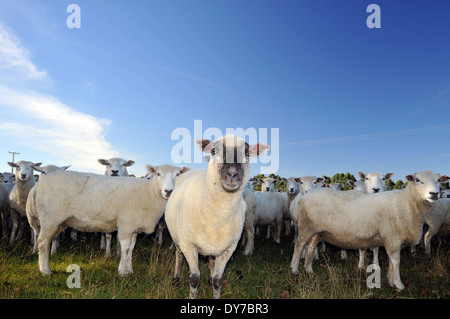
x=434 y=195
x=376 y=190
x=267 y=188
x=168 y=192
x=114 y=172
x=23 y=176
x=232 y=175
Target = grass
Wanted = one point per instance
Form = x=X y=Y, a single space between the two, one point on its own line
x=265 y=274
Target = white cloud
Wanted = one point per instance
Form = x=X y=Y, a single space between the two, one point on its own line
x=15 y=59
x=42 y=122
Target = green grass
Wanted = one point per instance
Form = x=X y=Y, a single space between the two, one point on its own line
x=265 y=274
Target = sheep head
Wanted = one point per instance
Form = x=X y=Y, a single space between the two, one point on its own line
x=229 y=157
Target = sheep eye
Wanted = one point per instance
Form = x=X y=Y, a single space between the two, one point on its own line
x=213 y=152
x=158 y=174
x=418 y=180
x=247 y=153
x=178 y=174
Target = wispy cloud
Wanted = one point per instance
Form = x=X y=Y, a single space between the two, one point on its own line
x=15 y=59
x=421 y=130
x=41 y=121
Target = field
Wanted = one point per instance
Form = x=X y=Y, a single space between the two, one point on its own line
x=265 y=274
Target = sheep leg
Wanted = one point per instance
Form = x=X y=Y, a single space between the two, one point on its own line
x=287 y=224
x=130 y=252
x=310 y=254
x=102 y=241
x=394 y=267
x=178 y=265
x=108 y=237
x=375 y=255
x=219 y=268
x=277 y=231
x=250 y=231
x=4 y=224
x=22 y=224
x=15 y=224
x=73 y=234
x=160 y=231
x=191 y=256
x=427 y=239
x=125 y=244
x=362 y=262
x=45 y=237
x=300 y=243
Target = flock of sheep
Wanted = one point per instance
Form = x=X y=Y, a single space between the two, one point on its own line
x=208 y=211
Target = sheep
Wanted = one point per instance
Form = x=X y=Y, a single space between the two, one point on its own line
x=354 y=221
x=272 y=208
x=445 y=193
x=7 y=178
x=115 y=166
x=7 y=182
x=292 y=190
x=371 y=183
x=307 y=184
x=206 y=211
x=44 y=170
x=252 y=212
x=438 y=221
x=18 y=197
x=97 y=203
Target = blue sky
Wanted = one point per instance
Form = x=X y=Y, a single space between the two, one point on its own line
x=344 y=97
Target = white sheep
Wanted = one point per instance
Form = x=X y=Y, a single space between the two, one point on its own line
x=307 y=184
x=371 y=183
x=98 y=203
x=272 y=208
x=445 y=193
x=115 y=166
x=354 y=221
x=206 y=212
x=7 y=182
x=44 y=170
x=438 y=221
x=252 y=212
x=18 y=197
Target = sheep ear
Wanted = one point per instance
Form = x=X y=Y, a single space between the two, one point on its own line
x=13 y=164
x=284 y=179
x=129 y=163
x=103 y=161
x=66 y=167
x=351 y=183
x=362 y=175
x=150 y=168
x=184 y=169
x=258 y=149
x=410 y=178
x=37 y=168
x=204 y=145
x=297 y=179
x=320 y=179
x=443 y=179
x=388 y=176
x=37 y=164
